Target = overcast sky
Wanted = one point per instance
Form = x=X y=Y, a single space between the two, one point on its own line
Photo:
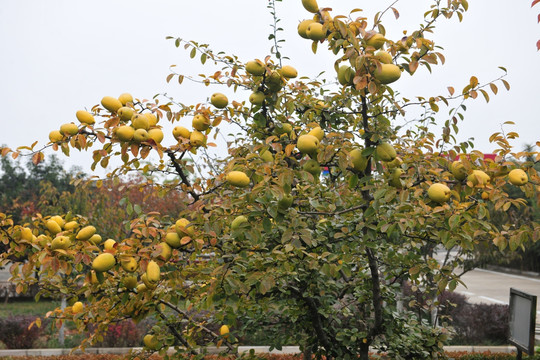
x=59 y=56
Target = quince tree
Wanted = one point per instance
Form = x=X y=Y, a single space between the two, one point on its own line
x=307 y=230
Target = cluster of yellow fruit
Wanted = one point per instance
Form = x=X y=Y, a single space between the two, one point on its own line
x=181 y=233
x=273 y=79
x=200 y=123
x=316 y=29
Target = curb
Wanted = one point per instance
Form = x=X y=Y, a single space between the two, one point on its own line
x=214 y=350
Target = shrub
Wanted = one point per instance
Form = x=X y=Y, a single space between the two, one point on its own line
x=15 y=333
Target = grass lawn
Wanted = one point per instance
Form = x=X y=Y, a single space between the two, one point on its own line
x=27 y=307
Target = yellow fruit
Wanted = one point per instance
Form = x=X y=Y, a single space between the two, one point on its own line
x=152 y=119
x=59 y=220
x=69 y=129
x=129 y=264
x=238 y=221
x=285 y=128
x=60 y=242
x=255 y=68
x=86 y=232
x=395 y=179
x=200 y=122
x=376 y=41
x=317 y=132
x=224 y=330
x=26 y=234
x=180 y=131
x=478 y=178
x=359 y=162
x=53 y=226
x=307 y=144
x=302 y=28
x=77 y=307
x=219 y=100
x=173 y=239
x=95 y=239
x=197 y=138
x=141 y=288
x=125 y=133
x=156 y=135
x=55 y=136
x=125 y=98
x=316 y=31
x=439 y=193
x=485 y=195
x=312 y=167
x=285 y=202
x=43 y=240
x=288 y=72
x=386 y=152
x=238 y=179
x=166 y=251
x=109 y=244
x=140 y=135
x=311 y=6
x=125 y=113
x=257 y=98
x=387 y=73
x=71 y=225
x=85 y=117
x=394 y=163
x=151 y=342
x=110 y=103
x=139 y=121
x=458 y=170
x=183 y=227
x=130 y=282
x=103 y=262
x=518 y=177
x=384 y=57
x=152 y=271
x=345 y=75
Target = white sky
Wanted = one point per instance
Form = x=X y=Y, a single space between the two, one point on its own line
x=59 y=56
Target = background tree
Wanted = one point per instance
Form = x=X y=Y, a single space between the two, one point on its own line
x=264 y=241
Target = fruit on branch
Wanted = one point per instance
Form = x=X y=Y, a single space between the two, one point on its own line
x=183 y=227
x=153 y=272
x=302 y=28
x=166 y=251
x=387 y=73
x=224 y=331
x=110 y=103
x=285 y=202
x=180 y=131
x=316 y=31
x=109 y=244
x=125 y=113
x=219 y=100
x=86 y=233
x=55 y=136
x=485 y=195
x=518 y=177
x=283 y=128
x=200 y=122
x=71 y=225
x=238 y=221
x=69 y=129
x=386 y=152
x=140 y=135
x=376 y=40
x=125 y=133
x=384 y=57
x=61 y=242
x=53 y=226
x=307 y=144
x=312 y=167
x=478 y=178
x=152 y=119
x=257 y=98
x=288 y=72
x=103 y=262
x=458 y=170
x=156 y=135
x=85 y=117
x=130 y=282
x=359 y=162
x=151 y=342
x=255 y=68
x=237 y=178
x=311 y=6
x=77 y=307
x=317 y=132
x=129 y=264
x=173 y=239
x=345 y=75
x=59 y=220
x=95 y=239
x=125 y=98
x=139 y=121
x=395 y=178
x=197 y=138
x=439 y=193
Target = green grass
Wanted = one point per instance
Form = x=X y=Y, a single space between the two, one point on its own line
x=28 y=307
